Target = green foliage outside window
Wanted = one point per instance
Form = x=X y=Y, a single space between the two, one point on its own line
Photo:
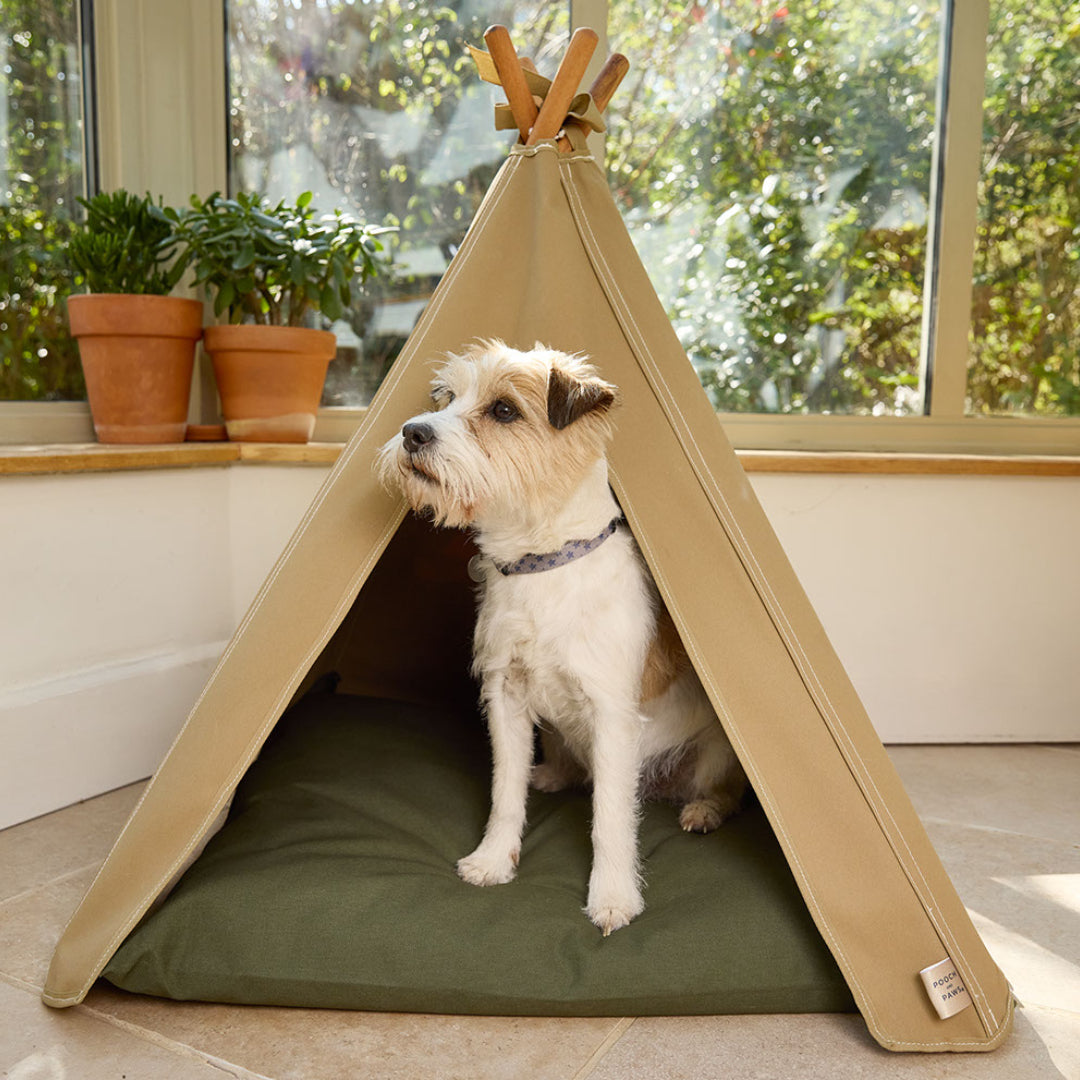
x=772 y=160
x=38 y=358
x=41 y=174
x=377 y=109
x=1026 y=304
x=783 y=153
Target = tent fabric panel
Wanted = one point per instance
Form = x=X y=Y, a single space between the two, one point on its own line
x=321 y=570
x=194 y=783
x=646 y=326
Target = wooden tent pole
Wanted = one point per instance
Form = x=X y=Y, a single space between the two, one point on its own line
x=604 y=86
x=607 y=82
x=564 y=86
x=544 y=123
x=507 y=64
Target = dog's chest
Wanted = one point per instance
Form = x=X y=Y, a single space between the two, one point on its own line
x=563 y=637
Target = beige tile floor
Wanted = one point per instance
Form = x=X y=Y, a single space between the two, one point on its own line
x=1006 y=821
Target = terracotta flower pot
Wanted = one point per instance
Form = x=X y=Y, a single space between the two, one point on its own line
x=270 y=379
x=137 y=356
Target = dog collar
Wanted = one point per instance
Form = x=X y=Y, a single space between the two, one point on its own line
x=571 y=550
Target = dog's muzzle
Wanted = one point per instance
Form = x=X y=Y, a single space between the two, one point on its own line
x=416 y=436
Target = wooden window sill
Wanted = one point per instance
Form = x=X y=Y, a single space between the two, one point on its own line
x=94 y=457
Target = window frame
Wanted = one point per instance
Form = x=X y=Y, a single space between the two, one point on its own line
x=168 y=134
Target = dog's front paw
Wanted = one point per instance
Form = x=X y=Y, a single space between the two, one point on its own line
x=486 y=868
x=610 y=913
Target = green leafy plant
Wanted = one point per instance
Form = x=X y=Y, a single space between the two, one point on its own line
x=124 y=246
x=274 y=264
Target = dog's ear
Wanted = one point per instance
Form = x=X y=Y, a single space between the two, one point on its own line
x=570 y=398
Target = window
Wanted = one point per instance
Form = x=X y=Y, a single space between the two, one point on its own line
x=43 y=170
x=773 y=162
x=375 y=108
x=1025 y=320
x=863 y=219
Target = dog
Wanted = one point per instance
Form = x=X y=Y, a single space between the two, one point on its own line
x=571 y=634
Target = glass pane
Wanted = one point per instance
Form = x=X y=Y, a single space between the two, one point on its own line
x=41 y=173
x=1025 y=341
x=773 y=164
x=376 y=108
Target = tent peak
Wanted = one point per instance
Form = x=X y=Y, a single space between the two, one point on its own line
x=540 y=108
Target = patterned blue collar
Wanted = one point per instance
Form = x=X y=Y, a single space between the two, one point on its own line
x=571 y=550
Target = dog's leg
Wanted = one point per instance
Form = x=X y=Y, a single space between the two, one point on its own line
x=718 y=784
x=615 y=885
x=510 y=725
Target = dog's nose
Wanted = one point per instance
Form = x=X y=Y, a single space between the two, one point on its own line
x=416 y=435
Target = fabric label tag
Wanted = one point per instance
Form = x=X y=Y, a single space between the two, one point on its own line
x=946 y=989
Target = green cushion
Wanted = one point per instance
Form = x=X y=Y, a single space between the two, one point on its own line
x=332 y=885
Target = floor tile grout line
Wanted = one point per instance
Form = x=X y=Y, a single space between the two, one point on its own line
x=58 y=880
x=74 y=808
x=163 y=1042
x=19 y=984
x=954 y=823
x=612 y=1037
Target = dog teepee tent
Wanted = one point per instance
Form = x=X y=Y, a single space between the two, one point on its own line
x=383 y=601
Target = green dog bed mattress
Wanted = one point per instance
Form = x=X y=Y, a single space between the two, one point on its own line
x=332 y=884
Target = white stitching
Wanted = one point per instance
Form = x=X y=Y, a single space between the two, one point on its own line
x=787 y=632
x=760 y=783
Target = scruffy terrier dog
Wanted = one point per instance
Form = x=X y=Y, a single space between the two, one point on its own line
x=571 y=634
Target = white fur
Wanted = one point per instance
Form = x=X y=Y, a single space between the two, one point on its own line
x=564 y=649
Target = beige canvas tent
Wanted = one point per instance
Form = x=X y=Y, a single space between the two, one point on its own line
x=548 y=258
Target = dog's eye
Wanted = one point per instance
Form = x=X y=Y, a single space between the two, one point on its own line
x=442 y=397
x=503 y=412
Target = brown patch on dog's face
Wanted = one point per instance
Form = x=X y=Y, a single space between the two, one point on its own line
x=496 y=448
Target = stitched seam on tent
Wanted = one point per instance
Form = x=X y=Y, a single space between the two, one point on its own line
x=761 y=786
x=787 y=631
x=249 y=754
x=896 y=839
x=994 y=1039
x=532 y=151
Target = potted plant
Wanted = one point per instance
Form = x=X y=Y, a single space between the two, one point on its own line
x=136 y=343
x=268 y=268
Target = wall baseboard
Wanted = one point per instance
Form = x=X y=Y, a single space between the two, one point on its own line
x=90 y=731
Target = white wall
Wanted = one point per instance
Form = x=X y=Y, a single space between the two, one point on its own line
x=952 y=601
x=118 y=592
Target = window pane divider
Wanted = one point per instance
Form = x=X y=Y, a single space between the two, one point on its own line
x=951 y=253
